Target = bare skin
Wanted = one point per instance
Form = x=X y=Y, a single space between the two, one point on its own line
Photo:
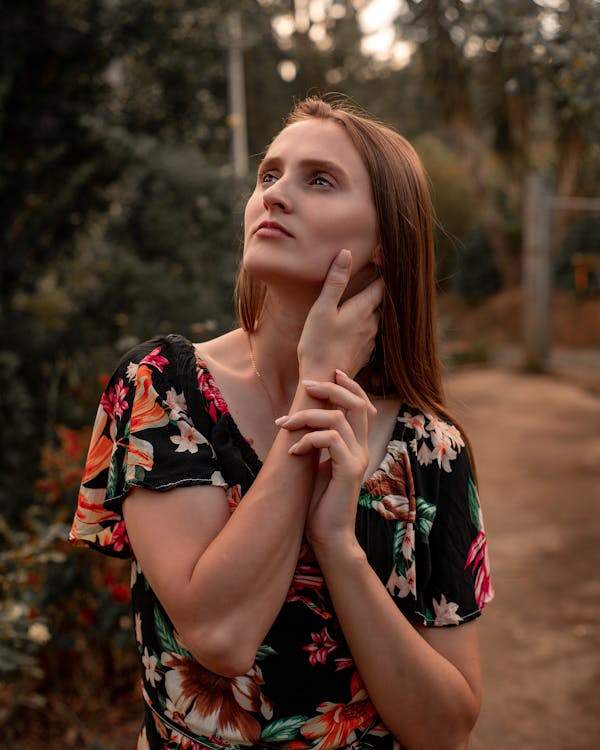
x=221 y=590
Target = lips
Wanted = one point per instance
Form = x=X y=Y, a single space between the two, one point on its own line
x=272 y=229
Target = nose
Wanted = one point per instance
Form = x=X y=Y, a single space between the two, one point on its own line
x=276 y=195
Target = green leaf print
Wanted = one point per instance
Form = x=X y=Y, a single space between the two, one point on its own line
x=399 y=535
x=111 y=482
x=474 y=505
x=283 y=730
x=425 y=516
x=365 y=499
x=165 y=635
x=264 y=652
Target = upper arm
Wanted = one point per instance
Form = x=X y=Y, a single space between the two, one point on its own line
x=169 y=531
x=460 y=646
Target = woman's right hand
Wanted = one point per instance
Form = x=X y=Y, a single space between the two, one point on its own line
x=338 y=335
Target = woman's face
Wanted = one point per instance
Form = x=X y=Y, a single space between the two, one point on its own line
x=312 y=198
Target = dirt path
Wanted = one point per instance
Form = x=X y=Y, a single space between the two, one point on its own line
x=537 y=444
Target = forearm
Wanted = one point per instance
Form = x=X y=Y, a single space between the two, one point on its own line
x=422 y=698
x=239 y=582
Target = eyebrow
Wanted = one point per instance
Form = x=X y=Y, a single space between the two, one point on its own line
x=320 y=165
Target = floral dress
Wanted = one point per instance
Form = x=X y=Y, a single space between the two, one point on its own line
x=162 y=423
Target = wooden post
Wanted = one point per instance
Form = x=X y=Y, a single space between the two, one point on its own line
x=237 y=97
x=536 y=272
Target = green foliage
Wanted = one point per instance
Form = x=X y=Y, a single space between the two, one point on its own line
x=476 y=275
x=454 y=200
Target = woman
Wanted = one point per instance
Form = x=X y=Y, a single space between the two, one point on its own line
x=317 y=516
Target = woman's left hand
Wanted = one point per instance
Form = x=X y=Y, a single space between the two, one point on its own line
x=342 y=427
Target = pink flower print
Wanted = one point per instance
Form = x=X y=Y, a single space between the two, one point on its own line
x=343 y=663
x=155 y=359
x=414 y=421
x=480 y=565
x=210 y=392
x=119 y=538
x=189 y=438
x=322 y=645
x=113 y=401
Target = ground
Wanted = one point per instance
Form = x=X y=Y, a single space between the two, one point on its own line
x=537 y=444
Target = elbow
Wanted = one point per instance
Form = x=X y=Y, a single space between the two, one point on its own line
x=224 y=656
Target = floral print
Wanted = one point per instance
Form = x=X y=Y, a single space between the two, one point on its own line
x=162 y=422
x=212 y=705
x=322 y=645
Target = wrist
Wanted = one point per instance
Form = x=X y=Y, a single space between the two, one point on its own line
x=338 y=549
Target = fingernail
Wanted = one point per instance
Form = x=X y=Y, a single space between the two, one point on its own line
x=343 y=259
x=310 y=382
x=341 y=372
x=292 y=449
x=281 y=420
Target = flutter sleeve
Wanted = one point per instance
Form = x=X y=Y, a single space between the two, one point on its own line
x=453 y=575
x=152 y=430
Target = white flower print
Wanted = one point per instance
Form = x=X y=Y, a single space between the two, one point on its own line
x=176 y=403
x=416 y=422
x=150 y=663
x=442 y=452
x=142 y=743
x=408 y=543
x=131 y=371
x=189 y=439
x=138 y=628
x=445 y=441
x=135 y=571
x=445 y=612
x=404 y=585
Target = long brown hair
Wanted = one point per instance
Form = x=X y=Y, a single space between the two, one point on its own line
x=405 y=361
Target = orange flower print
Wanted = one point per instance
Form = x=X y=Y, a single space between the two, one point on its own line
x=146 y=412
x=101 y=448
x=212 y=705
x=340 y=723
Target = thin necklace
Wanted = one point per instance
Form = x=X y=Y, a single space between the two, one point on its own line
x=260 y=377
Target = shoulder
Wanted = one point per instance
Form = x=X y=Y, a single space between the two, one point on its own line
x=170 y=351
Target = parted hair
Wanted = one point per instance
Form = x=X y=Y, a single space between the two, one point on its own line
x=405 y=361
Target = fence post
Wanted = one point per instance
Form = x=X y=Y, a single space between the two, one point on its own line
x=536 y=271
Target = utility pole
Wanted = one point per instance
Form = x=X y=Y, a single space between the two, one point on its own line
x=237 y=96
x=536 y=272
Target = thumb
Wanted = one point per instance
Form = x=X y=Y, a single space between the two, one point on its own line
x=337 y=277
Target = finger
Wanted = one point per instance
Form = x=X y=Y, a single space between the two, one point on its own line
x=337 y=278
x=356 y=404
x=347 y=382
x=331 y=440
x=322 y=419
x=369 y=298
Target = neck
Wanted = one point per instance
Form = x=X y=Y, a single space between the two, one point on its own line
x=275 y=344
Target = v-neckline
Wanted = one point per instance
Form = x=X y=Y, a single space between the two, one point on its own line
x=200 y=362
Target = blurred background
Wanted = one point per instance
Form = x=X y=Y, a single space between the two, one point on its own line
x=129 y=135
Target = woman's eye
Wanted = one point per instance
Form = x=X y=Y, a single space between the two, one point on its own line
x=318 y=179
x=268 y=177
